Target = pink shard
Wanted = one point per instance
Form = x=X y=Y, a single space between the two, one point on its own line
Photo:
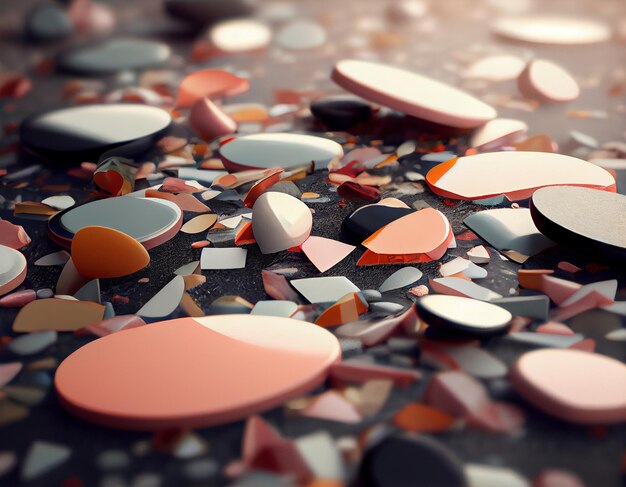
x=456 y=393
x=264 y=449
x=370 y=332
x=497 y=417
x=332 y=406
x=360 y=372
x=115 y=324
x=558 y=290
x=211 y=83
x=325 y=253
x=557 y=478
x=555 y=328
x=88 y=16
x=585 y=345
x=276 y=286
x=209 y=121
x=18 y=299
x=258 y=435
x=12 y=235
x=8 y=372
x=378 y=331
x=589 y=301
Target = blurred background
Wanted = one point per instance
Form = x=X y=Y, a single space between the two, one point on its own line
x=287 y=51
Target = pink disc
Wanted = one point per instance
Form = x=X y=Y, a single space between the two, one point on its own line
x=412 y=94
x=194 y=372
x=12 y=269
x=577 y=386
x=547 y=81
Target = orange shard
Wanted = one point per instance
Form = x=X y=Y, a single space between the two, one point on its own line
x=532 y=278
x=103 y=252
x=245 y=235
x=419 y=418
x=421 y=232
x=345 y=310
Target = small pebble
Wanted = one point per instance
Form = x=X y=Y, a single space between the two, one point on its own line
x=44 y=293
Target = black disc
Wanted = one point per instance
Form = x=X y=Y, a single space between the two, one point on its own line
x=340 y=113
x=208 y=11
x=401 y=460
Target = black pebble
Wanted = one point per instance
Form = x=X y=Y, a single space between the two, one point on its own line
x=202 y=12
x=340 y=113
x=402 y=460
x=364 y=221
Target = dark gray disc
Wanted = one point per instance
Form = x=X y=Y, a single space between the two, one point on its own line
x=590 y=221
x=89 y=130
x=114 y=55
x=203 y=12
x=48 y=22
x=401 y=460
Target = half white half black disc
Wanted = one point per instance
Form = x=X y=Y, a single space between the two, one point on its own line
x=463 y=315
x=90 y=130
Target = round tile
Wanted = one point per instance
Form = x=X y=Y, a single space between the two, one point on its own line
x=90 y=130
x=301 y=34
x=547 y=81
x=412 y=94
x=240 y=35
x=150 y=221
x=466 y=315
x=497 y=133
x=12 y=269
x=516 y=174
x=207 y=384
x=289 y=151
x=588 y=220
x=496 y=69
x=114 y=55
x=551 y=29
x=574 y=385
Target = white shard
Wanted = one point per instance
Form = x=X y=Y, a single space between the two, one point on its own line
x=401 y=278
x=41 y=457
x=165 y=301
x=324 y=289
x=223 y=258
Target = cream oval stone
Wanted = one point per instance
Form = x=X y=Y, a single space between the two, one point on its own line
x=289 y=151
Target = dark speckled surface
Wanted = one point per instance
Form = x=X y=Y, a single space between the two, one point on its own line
x=544 y=443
